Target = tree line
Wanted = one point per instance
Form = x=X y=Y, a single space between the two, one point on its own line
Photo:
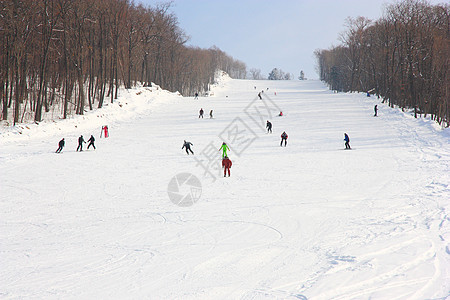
x=65 y=56
x=403 y=58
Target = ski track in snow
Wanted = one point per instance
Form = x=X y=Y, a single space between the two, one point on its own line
x=306 y=221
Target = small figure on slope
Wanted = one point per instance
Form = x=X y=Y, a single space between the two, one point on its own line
x=284 y=137
x=104 y=131
x=200 y=113
x=347 y=141
x=91 y=141
x=188 y=145
x=80 y=143
x=269 y=127
x=376 y=110
x=259 y=95
x=224 y=149
x=60 y=146
x=196 y=96
x=281 y=114
x=211 y=114
x=226 y=165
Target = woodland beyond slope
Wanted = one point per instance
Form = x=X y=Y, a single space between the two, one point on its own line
x=65 y=56
x=402 y=58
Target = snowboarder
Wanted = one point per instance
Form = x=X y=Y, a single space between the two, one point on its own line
x=61 y=145
x=284 y=137
x=226 y=165
x=211 y=114
x=224 y=149
x=91 y=141
x=281 y=114
x=347 y=141
x=188 y=145
x=80 y=143
x=196 y=96
x=376 y=111
x=259 y=95
x=200 y=113
x=269 y=127
x=368 y=94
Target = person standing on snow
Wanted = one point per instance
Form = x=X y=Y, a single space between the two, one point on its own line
x=226 y=165
x=211 y=114
x=269 y=127
x=80 y=143
x=224 y=149
x=284 y=137
x=200 y=113
x=347 y=141
x=196 y=96
x=91 y=141
x=61 y=145
x=376 y=110
x=188 y=145
x=259 y=95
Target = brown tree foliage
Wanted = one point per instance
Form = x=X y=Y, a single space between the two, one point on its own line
x=402 y=57
x=62 y=56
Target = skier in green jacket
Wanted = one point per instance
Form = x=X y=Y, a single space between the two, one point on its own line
x=224 y=149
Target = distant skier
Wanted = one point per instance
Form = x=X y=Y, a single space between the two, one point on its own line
x=280 y=114
x=376 y=111
x=347 y=141
x=188 y=145
x=200 y=113
x=224 y=149
x=61 y=145
x=368 y=94
x=91 y=141
x=104 y=131
x=80 y=143
x=284 y=137
x=196 y=96
x=269 y=127
x=259 y=95
x=226 y=165
x=211 y=114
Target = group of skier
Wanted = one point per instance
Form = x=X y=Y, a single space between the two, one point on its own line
x=200 y=113
x=81 y=140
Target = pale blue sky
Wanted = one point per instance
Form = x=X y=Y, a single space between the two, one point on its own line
x=265 y=33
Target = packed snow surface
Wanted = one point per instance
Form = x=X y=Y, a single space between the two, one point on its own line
x=306 y=221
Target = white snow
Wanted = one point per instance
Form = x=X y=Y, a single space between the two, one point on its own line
x=306 y=221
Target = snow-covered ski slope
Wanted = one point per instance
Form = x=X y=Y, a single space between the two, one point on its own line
x=306 y=221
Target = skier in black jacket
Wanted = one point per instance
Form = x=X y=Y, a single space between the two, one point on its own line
x=61 y=146
x=80 y=143
x=91 y=141
x=269 y=127
x=188 y=145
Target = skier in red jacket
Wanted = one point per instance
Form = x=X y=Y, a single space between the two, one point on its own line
x=226 y=165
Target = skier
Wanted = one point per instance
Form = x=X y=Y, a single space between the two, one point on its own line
x=269 y=127
x=347 y=141
x=281 y=114
x=368 y=94
x=201 y=113
x=376 y=110
x=284 y=137
x=61 y=145
x=211 y=114
x=104 y=131
x=196 y=96
x=226 y=165
x=259 y=95
x=80 y=143
x=224 y=149
x=188 y=145
x=91 y=141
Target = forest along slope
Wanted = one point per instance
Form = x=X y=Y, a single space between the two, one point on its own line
x=309 y=220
